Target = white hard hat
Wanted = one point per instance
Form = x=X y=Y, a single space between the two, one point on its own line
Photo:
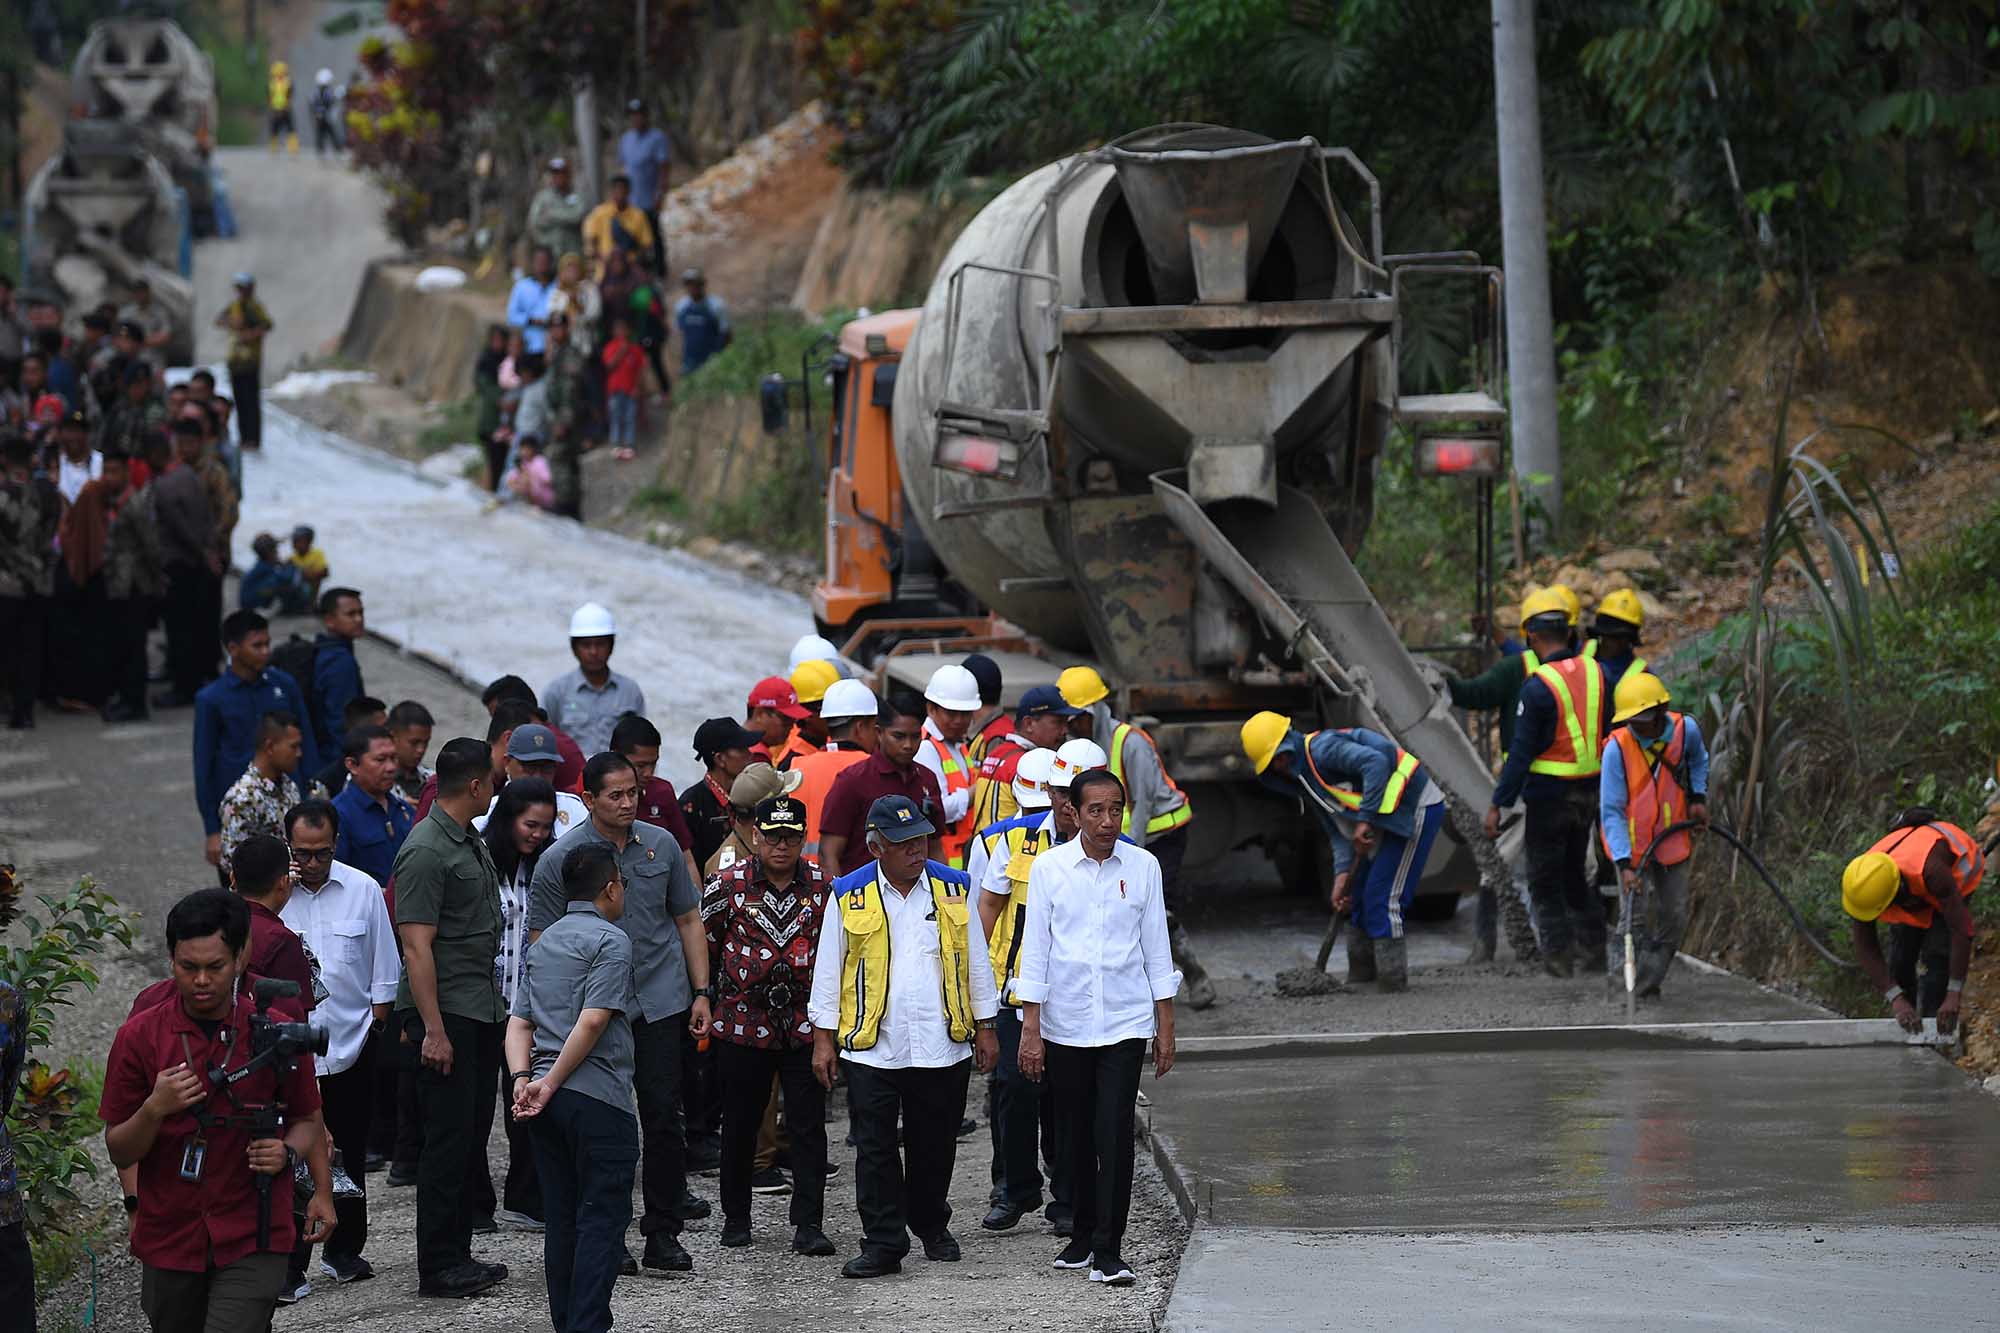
x=953 y=687
x=848 y=698
x=591 y=621
x=812 y=648
x=1031 y=779
x=324 y=76
x=1076 y=758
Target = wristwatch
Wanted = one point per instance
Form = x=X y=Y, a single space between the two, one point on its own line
x=986 y=1024
x=707 y=992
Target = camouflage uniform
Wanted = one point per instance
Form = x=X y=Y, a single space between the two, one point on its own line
x=127 y=425
x=566 y=369
x=135 y=578
x=28 y=515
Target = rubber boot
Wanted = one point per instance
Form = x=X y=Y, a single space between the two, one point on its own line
x=1392 y=965
x=292 y=144
x=1200 y=990
x=1360 y=957
x=1485 y=929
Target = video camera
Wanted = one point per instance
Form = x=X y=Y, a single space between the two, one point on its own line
x=282 y=1042
x=276 y=1046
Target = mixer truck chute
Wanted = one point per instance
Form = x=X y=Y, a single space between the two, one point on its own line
x=1139 y=417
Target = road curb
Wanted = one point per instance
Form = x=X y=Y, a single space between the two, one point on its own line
x=1767 y=1034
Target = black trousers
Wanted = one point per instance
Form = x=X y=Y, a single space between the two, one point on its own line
x=17 y=1275
x=656 y=1048
x=906 y=1190
x=245 y=387
x=1567 y=906
x=1920 y=961
x=1096 y=1088
x=193 y=639
x=585 y=1150
x=701 y=1088
x=522 y=1190
x=745 y=1077
x=457 y=1115
x=128 y=619
x=346 y=1106
x=1017 y=1117
x=78 y=662
x=407 y=1148
x=21 y=627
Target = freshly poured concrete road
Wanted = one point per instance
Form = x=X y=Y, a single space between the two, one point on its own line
x=1552 y=1188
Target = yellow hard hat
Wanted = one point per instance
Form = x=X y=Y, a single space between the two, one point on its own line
x=811 y=679
x=1262 y=735
x=1637 y=691
x=1081 y=686
x=279 y=67
x=1572 y=604
x=1869 y=885
x=1623 y=605
x=1546 y=601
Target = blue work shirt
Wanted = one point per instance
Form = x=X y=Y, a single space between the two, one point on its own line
x=371 y=831
x=528 y=301
x=644 y=154
x=1535 y=720
x=1611 y=780
x=336 y=683
x=226 y=713
x=1360 y=760
x=704 y=330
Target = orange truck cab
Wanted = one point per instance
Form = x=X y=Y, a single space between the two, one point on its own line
x=865 y=532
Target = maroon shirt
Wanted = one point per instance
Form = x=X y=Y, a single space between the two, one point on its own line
x=845 y=814
x=752 y=933
x=194 y=1226
x=277 y=951
x=160 y=992
x=659 y=807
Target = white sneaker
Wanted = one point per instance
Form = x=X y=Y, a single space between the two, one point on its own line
x=293 y=1295
x=1112 y=1271
x=509 y=1220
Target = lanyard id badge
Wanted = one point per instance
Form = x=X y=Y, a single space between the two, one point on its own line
x=193 y=1155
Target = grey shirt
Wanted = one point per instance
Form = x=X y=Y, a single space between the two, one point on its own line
x=658 y=888
x=581 y=962
x=587 y=713
x=1146 y=790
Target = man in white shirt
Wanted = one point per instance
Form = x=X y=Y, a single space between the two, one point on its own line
x=1097 y=978
x=530 y=752
x=951 y=699
x=902 y=990
x=340 y=914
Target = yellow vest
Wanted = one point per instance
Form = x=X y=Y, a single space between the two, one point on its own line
x=1167 y=820
x=1590 y=651
x=1020 y=847
x=864 y=966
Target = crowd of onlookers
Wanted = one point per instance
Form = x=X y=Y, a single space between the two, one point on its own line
x=581 y=360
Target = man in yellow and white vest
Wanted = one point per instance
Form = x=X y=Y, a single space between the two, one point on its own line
x=903 y=993
x=1157 y=812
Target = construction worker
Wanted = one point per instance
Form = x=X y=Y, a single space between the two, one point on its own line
x=1552 y=767
x=990 y=725
x=1917 y=879
x=1614 y=631
x=1375 y=801
x=1157 y=813
x=812 y=648
x=848 y=712
x=283 y=130
x=1041 y=722
x=809 y=682
x=1654 y=774
x=951 y=700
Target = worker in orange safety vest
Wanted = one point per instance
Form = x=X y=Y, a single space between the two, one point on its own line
x=951 y=699
x=1917 y=879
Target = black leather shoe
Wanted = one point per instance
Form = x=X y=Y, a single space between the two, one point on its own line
x=812 y=1241
x=1060 y=1221
x=1004 y=1216
x=666 y=1254
x=402 y=1175
x=871 y=1263
x=692 y=1207
x=735 y=1235
x=498 y=1272
x=484 y=1226
x=628 y=1266
x=467 y=1279
x=942 y=1248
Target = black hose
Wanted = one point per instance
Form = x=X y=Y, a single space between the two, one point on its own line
x=1798 y=922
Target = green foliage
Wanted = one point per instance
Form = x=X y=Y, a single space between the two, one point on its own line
x=242 y=75
x=457 y=422
x=772 y=341
x=54 y=1113
x=664 y=500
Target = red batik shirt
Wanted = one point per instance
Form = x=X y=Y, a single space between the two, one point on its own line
x=760 y=950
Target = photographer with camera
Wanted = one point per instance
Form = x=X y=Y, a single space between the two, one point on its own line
x=215 y=1102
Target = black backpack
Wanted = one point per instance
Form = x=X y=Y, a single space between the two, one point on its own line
x=297 y=657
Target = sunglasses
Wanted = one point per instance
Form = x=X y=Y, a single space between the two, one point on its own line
x=783 y=837
x=307 y=855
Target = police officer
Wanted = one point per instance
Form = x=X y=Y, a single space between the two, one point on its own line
x=903 y=994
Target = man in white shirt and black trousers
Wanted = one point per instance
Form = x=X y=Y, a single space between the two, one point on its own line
x=902 y=990
x=1097 y=978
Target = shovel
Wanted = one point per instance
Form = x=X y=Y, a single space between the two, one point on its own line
x=1631 y=964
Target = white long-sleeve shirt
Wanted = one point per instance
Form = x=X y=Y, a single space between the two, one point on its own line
x=1094 y=950
x=930 y=753
x=346 y=925
x=914 y=1032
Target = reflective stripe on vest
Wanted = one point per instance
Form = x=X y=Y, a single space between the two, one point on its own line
x=864 y=964
x=1576 y=751
x=1167 y=820
x=1590 y=651
x=1654 y=797
x=954 y=837
x=993 y=792
x=1909 y=848
x=1021 y=846
x=1392 y=791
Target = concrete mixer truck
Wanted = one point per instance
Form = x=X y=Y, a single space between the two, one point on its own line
x=1136 y=423
x=149 y=75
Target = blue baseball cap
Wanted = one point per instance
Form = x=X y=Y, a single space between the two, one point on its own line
x=533 y=743
x=1045 y=699
x=898 y=819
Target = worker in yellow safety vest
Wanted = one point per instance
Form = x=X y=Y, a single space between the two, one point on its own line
x=1917 y=880
x=1654 y=775
x=1157 y=812
x=900 y=928
x=1552 y=767
x=951 y=700
x=283 y=130
x=1614 y=635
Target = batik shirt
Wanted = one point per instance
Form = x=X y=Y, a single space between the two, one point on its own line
x=254 y=805
x=760 y=949
x=13 y=1055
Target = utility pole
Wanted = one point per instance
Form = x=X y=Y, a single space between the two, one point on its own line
x=588 y=147
x=1524 y=230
